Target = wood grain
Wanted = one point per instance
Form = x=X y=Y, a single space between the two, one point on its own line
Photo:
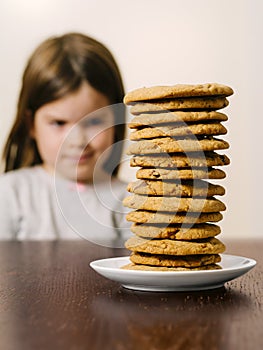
x=51 y=299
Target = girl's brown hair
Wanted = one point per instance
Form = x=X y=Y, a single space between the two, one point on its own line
x=56 y=68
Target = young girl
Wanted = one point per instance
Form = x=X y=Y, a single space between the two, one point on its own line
x=63 y=151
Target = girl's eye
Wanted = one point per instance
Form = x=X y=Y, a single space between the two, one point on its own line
x=58 y=122
x=94 y=121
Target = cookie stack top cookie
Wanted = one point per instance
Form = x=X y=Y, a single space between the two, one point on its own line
x=177 y=133
x=176 y=91
x=178 y=97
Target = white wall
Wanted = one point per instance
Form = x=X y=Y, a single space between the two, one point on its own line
x=162 y=42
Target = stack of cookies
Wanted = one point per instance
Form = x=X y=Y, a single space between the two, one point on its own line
x=176 y=132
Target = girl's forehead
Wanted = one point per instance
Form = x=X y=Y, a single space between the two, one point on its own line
x=86 y=100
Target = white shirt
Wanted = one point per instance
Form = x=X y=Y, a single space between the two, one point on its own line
x=37 y=206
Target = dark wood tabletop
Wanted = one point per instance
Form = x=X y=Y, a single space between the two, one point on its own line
x=51 y=299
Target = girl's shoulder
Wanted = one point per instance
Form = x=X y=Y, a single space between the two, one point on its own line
x=20 y=177
x=118 y=183
x=117 y=187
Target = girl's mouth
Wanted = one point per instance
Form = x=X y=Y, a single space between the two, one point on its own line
x=82 y=158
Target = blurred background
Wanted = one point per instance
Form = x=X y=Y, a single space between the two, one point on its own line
x=157 y=43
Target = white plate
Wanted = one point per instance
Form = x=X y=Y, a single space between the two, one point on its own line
x=165 y=281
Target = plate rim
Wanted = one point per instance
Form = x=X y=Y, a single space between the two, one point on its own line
x=173 y=281
x=251 y=263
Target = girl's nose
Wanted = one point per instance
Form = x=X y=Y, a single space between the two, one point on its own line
x=77 y=137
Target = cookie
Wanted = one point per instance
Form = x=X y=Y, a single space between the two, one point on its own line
x=178 y=116
x=144 y=216
x=174 y=247
x=137 y=267
x=180 y=160
x=185 y=173
x=189 y=103
x=170 y=145
x=174 y=204
x=179 y=90
x=186 y=232
x=178 y=131
x=177 y=188
x=174 y=260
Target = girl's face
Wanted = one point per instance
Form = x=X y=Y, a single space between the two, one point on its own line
x=68 y=142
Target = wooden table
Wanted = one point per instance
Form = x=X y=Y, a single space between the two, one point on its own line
x=51 y=299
